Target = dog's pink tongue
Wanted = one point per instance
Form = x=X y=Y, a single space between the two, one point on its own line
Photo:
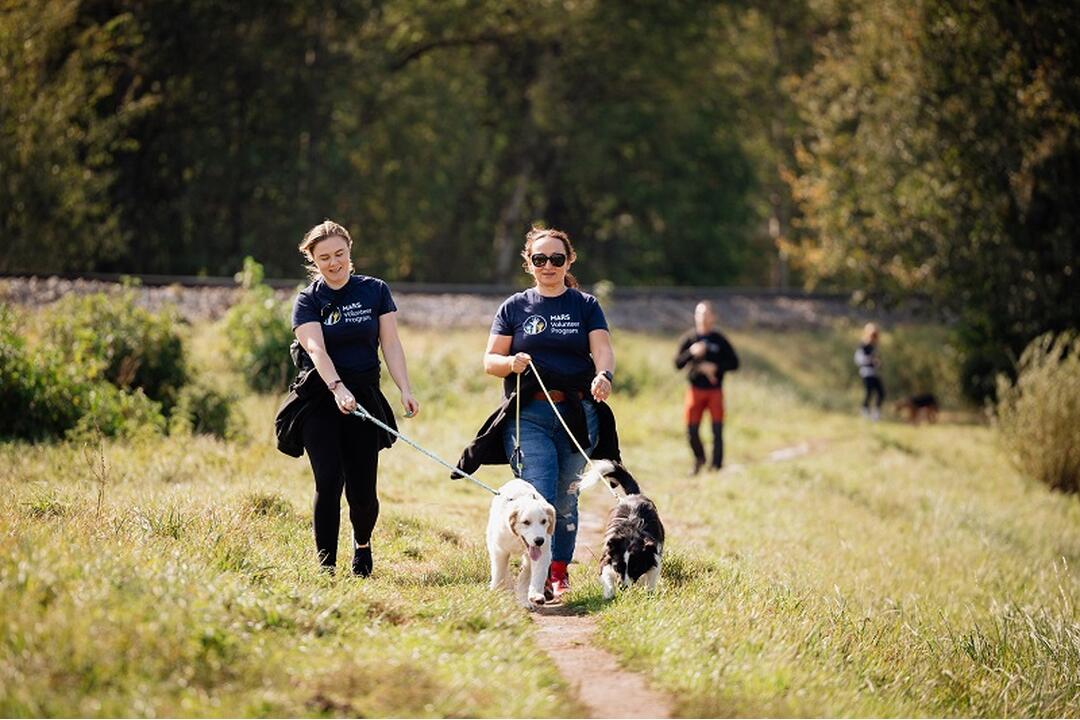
x=534 y=553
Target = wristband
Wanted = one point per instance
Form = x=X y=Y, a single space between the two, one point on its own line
x=332 y=385
x=609 y=375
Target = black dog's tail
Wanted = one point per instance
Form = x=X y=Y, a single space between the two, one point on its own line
x=613 y=472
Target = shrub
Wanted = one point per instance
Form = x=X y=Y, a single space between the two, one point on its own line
x=128 y=345
x=25 y=409
x=259 y=333
x=204 y=410
x=43 y=396
x=114 y=412
x=1038 y=415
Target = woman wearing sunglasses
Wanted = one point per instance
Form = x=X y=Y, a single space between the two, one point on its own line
x=564 y=333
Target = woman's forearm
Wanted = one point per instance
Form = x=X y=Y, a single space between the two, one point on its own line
x=603 y=354
x=323 y=364
x=394 y=354
x=498 y=365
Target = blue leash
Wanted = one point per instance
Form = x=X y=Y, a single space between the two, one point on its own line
x=362 y=412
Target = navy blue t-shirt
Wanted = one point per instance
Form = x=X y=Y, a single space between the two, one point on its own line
x=349 y=318
x=553 y=330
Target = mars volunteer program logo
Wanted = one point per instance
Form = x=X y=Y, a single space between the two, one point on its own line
x=331 y=315
x=534 y=325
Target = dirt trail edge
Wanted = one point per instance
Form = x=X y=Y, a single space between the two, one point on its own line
x=607 y=690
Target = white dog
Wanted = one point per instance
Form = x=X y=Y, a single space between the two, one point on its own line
x=520 y=521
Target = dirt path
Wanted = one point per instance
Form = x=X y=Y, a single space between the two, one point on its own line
x=607 y=690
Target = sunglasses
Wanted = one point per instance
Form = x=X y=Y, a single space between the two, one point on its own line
x=540 y=259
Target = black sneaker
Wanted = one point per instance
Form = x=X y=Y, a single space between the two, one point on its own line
x=361 y=562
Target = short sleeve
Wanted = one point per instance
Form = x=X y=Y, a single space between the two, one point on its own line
x=386 y=300
x=304 y=309
x=503 y=324
x=594 y=315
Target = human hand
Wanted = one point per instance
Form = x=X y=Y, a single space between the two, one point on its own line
x=519 y=362
x=344 y=399
x=698 y=349
x=411 y=404
x=601 y=388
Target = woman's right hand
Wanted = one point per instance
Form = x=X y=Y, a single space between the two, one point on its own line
x=344 y=399
x=519 y=362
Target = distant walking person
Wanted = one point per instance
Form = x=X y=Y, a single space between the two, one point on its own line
x=869 y=362
x=708 y=355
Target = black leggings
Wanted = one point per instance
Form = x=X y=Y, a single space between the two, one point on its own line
x=873 y=387
x=344 y=453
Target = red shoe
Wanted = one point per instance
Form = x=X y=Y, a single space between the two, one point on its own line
x=559 y=578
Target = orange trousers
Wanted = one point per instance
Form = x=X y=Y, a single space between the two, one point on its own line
x=700 y=399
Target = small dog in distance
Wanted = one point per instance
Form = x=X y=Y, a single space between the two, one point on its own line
x=918 y=407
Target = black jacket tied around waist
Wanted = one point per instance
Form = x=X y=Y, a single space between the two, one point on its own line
x=308 y=389
x=487 y=447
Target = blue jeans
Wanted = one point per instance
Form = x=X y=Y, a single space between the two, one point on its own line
x=551 y=463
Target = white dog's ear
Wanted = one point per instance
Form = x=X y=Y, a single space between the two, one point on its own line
x=511 y=521
x=551 y=520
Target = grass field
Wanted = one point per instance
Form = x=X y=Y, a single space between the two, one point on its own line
x=886 y=570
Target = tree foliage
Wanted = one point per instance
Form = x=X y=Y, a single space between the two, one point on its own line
x=66 y=111
x=941 y=154
x=437 y=131
x=928 y=146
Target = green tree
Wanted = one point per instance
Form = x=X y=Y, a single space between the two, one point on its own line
x=941 y=156
x=67 y=106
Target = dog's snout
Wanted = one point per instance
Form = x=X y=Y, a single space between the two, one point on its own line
x=539 y=541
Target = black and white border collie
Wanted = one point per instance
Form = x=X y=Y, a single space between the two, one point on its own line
x=634 y=538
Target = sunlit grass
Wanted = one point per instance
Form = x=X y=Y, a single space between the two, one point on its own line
x=886 y=570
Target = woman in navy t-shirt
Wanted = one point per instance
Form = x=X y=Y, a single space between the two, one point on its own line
x=341 y=320
x=564 y=332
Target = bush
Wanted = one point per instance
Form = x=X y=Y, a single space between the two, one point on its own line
x=1038 y=415
x=113 y=412
x=204 y=410
x=127 y=345
x=44 y=396
x=25 y=411
x=258 y=331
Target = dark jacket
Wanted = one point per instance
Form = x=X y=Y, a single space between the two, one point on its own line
x=487 y=447
x=308 y=389
x=718 y=351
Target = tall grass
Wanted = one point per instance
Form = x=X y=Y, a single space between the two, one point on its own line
x=1038 y=416
x=889 y=570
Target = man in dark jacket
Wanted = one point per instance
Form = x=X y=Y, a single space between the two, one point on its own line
x=707 y=355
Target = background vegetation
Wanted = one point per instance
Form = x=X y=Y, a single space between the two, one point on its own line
x=928 y=148
x=880 y=569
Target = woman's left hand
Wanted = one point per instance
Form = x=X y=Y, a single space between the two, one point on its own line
x=601 y=388
x=411 y=404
